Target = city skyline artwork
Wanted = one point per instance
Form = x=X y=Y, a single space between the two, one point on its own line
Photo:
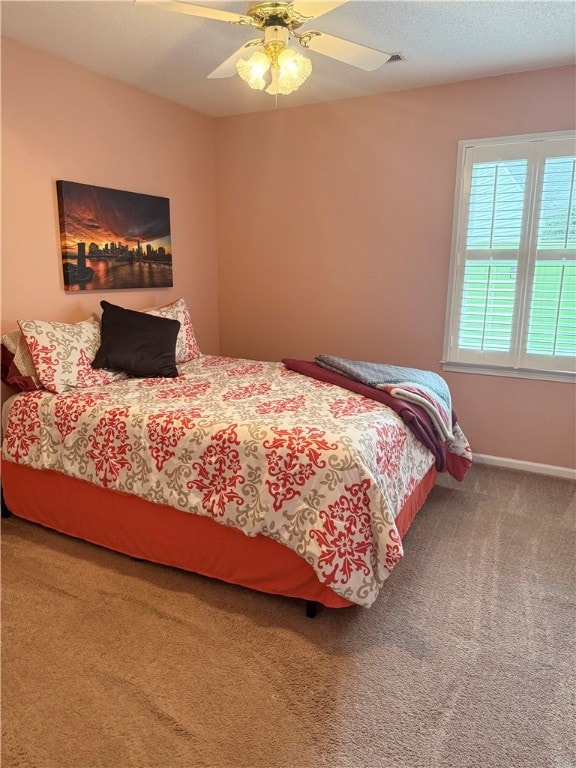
x=113 y=239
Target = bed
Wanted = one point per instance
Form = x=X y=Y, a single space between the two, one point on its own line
x=240 y=470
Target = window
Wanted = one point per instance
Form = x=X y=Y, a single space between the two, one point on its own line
x=512 y=302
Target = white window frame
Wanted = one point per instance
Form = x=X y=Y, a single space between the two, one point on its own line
x=496 y=363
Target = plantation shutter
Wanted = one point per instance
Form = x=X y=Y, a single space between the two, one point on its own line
x=551 y=334
x=513 y=303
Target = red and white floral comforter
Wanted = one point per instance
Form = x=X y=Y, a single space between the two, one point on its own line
x=253 y=445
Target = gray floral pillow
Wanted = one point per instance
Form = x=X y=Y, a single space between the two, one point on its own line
x=63 y=353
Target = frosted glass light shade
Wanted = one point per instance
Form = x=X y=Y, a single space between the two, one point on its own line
x=291 y=71
x=254 y=69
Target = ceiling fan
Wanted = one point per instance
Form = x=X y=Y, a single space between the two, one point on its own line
x=273 y=63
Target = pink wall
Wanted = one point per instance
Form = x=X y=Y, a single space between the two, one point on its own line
x=334 y=234
x=60 y=121
x=333 y=221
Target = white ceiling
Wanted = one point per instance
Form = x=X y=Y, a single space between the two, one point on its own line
x=170 y=54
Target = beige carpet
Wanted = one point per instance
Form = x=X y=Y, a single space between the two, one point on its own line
x=466 y=659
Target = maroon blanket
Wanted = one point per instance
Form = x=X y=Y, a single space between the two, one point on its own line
x=415 y=417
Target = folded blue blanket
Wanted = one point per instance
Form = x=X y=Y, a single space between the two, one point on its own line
x=414 y=384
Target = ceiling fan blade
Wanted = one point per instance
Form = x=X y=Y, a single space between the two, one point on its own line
x=228 y=67
x=345 y=50
x=177 y=6
x=317 y=8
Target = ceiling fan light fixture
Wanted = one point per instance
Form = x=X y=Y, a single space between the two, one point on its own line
x=288 y=68
x=288 y=72
x=252 y=70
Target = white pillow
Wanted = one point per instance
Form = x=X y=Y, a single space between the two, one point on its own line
x=186 y=344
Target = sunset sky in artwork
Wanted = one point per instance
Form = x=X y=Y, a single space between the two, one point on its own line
x=99 y=215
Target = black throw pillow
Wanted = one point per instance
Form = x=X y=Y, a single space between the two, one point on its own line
x=137 y=343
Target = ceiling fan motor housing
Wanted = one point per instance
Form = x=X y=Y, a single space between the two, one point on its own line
x=280 y=14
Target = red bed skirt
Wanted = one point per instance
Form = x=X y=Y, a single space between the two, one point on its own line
x=164 y=535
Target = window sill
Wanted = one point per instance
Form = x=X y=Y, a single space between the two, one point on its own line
x=513 y=373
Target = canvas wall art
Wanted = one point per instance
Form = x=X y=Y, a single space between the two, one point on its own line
x=113 y=239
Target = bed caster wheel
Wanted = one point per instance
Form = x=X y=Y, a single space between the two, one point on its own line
x=5 y=511
x=311 y=608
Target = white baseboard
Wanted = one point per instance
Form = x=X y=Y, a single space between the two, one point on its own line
x=526 y=466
